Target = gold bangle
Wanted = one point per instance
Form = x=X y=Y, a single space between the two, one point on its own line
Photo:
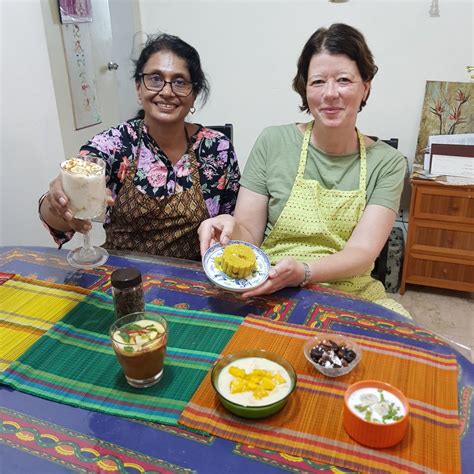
x=307 y=275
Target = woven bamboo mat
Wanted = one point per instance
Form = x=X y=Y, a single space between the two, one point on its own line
x=311 y=423
x=74 y=362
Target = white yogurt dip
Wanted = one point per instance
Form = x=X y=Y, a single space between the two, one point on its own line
x=247 y=398
x=84 y=184
x=376 y=405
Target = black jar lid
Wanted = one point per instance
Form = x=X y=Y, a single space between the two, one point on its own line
x=126 y=277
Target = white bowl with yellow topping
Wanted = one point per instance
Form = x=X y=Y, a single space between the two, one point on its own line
x=253 y=383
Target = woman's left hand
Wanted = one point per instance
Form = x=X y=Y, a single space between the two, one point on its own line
x=287 y=272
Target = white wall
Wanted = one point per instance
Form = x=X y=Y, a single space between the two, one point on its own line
x=31 y=136
x=249 y=50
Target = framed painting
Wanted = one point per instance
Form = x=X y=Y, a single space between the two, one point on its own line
x=448 y=109
x=75 y=11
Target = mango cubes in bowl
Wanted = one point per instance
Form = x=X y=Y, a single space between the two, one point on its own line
x=253 y=383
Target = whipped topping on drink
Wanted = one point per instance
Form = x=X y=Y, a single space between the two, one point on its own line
x=84 y=185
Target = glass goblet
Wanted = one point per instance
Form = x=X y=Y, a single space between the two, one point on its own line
x=83 y=180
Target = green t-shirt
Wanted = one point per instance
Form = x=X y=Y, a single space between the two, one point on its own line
x=273 y=163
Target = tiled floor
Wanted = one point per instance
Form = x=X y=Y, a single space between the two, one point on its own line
x=450 y=314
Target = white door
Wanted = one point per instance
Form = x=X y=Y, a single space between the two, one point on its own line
x=126 y=46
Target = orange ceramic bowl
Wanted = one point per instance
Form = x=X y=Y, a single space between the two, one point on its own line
x=375 y=434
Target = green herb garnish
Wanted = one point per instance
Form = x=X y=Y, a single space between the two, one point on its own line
x=369 y=409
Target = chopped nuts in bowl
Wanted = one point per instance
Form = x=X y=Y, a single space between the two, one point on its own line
x=332 y=354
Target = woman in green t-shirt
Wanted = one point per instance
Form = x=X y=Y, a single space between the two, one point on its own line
x=320 y=198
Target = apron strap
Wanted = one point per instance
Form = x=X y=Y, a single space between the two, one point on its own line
x=363 y=161
x=304 y=149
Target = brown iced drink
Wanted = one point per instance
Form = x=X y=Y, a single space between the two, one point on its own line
x=140 y=347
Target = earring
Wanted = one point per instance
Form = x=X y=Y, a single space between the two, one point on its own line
x=139 y=100
x=192 y=109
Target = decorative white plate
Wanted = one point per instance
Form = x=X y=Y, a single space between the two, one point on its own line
x=219 y=278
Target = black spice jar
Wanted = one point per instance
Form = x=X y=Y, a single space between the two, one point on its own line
x=127 y=290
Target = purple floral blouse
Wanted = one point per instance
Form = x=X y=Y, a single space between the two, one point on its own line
x=157 y=176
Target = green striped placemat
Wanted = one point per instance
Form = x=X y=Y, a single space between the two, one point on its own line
x=74 y=362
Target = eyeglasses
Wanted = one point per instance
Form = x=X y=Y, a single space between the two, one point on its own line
x=154 y=82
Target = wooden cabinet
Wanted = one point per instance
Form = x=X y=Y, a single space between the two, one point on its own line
x=440 y=243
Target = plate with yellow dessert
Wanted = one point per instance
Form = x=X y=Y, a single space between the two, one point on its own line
x=237 y=266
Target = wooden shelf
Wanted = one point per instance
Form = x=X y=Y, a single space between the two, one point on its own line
x=440 y=242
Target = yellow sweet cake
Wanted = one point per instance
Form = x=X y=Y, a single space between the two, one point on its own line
x=238 y=260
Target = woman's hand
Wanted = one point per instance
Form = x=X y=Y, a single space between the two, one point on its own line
x=57 y=214
x=214 y=230
x=58 y=202
x=248 y=223
x=287 y=272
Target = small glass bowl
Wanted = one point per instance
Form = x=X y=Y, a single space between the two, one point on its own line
x=247 y=411
x=338 y=339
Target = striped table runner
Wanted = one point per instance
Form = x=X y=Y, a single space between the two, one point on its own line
x=28 y=308
x=311 y=423
x=5 y=277
x=74 y=362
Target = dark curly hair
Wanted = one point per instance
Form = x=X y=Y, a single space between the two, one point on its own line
x=337 y=39
x=165 y=42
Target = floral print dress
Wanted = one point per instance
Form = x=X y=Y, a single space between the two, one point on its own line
x=157 y=177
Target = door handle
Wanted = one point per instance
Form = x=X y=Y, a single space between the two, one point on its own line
x=111 y=66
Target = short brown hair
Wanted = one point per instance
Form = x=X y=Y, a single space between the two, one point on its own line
x=337 y=39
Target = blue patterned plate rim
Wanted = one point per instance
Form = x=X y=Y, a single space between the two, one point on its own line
x=220 y=279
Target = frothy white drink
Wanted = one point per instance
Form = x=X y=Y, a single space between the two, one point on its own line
x=84 y=185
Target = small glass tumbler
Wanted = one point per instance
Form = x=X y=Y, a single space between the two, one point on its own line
x=139 y=341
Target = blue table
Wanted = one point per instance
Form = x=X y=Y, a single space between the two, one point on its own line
x=38 y=435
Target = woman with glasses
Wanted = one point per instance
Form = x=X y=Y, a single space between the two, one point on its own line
x=165 y=175
x=324 y=196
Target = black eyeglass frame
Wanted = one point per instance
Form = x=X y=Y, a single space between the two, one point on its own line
x=144 y=74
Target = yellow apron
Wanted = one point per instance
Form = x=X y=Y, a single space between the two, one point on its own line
x=316 y=222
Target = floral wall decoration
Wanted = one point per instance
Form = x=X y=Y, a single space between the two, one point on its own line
x=470 y=71
x=75 y=11
x=82 y=81
x=448 y=108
